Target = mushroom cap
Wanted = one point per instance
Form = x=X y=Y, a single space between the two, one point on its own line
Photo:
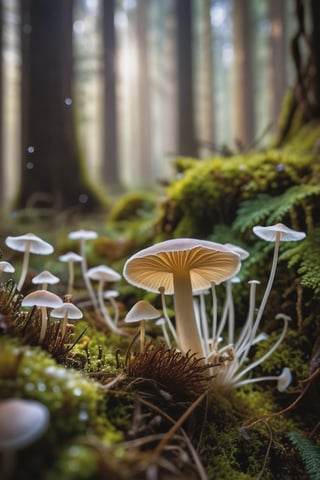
x=235 y=248
x=42 y=298
x=6 y=267
x=142 y=310
x=111 y=294
x=70 y=257
x=207 y=262
x=36 y=244
x=21 y=422
x=284 y=379
x=45 y=277
x=269 y=233
x=83 y=235
x=102 y=273
x=73 y=312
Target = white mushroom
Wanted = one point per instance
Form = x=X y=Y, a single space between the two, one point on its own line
x=22 y=422
x=182 y=266
x=83 y=236
x=28 y=243
x=44 y=278
x=66 y=311
x=103 y=274
x=111 y=295
x=140 y=312
x=44 y=300
x=6 y=267
x=71 y=258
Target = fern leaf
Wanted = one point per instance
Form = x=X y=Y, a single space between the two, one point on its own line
x=251 y=212
x=309 y=453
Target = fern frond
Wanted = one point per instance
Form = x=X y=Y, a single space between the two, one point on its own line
x=252 y=212
x=271 y=209
x=309 y=453
x=304 y=255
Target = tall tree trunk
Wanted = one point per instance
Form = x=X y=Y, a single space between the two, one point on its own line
x=144 y=166
x=2 y=171
x=51 y=162
x=187 y=144
x=111 y=160
x=277 y=66
x=244 y=73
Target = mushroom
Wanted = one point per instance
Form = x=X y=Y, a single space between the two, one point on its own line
x=283 y=380
x=44 y=278
x=274 y=233
x=71 y=258
x=22 y=422
x=6 y=267
x=140 y=312
x=44 y=300
x=28 y=243
x=104 y=274
x=83 y=236
x=111 y=295
x=182 y=266
x=66 y=311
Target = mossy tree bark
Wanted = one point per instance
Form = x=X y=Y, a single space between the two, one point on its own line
x=305 y=101
x=51 y=161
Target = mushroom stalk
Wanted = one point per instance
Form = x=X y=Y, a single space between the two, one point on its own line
x=86 y=279
x=44 y=324
x=187 y=330
x=25 y=264
x=105 y=313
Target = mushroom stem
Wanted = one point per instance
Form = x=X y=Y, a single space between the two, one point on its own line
x=84 y=269
x=142 y=334
x=71 y=277
x=106 y=316
x=25 y=264
x=44 y=324
x=166 y=316
x=269 y=284
x=187 y=330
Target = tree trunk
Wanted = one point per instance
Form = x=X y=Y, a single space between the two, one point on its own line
x=111 y=164
x=51 y=163
x=2 y=170
x=144 y=166
x=187 y=144
x=245 y=122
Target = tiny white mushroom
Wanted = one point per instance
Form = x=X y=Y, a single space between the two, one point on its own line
x=162 y=323
x=44 y=278
x=140 y=312
x=83 y=236
x=104 y=274
x=66 y=311
x=28 y=243
x=44 y=300
x=6 y=267
x=111 y=295
x=70 y=258
x=22 y=422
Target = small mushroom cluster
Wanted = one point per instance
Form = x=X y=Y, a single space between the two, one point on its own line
x=186 y=269
x=51 y=305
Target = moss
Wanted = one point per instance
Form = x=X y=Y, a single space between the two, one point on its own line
x=133 y=205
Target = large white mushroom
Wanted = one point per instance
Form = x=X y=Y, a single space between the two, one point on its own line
x=28 y=243
x=182 y=266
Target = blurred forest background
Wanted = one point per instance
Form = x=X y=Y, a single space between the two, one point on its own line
x=107 y=92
